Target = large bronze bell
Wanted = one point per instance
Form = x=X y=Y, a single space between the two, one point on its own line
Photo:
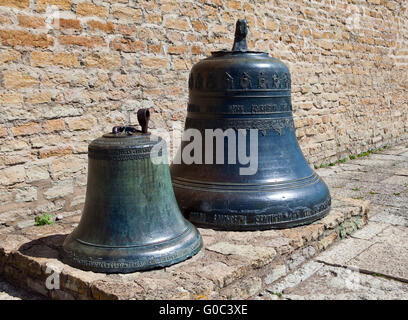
x=131 y=220
x=246 y=93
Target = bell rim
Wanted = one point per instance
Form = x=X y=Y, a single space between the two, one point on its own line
x=188 y=245
x=261 y=212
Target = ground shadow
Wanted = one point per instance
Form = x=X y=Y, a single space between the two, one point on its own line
x=45 y=247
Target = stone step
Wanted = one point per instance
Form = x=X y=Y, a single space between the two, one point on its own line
x=231 y=265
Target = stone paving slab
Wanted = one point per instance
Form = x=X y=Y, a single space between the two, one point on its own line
x=337 y=283
x=232 y=265
x=373 y=262
x=402 y=165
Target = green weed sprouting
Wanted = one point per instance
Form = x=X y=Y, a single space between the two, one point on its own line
x=43 y=219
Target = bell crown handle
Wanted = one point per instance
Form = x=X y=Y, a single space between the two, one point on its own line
x=143 y=117
x=241 y=31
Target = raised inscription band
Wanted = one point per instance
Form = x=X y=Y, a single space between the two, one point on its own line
x=136 y=264
x=263 y=108
x=285 y=215
x=275 y=124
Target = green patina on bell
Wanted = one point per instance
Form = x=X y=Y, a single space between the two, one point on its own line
x=245 y=93
x=131 y=220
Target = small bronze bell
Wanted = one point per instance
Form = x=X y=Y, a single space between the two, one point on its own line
x=243 y=93
x=131 y=220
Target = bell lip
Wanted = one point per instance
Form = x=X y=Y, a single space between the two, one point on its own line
x=129 y=262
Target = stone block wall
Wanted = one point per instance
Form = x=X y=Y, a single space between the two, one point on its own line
x=71 y=69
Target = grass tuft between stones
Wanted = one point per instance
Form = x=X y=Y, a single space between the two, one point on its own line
x=43 y=219
x=352 y=157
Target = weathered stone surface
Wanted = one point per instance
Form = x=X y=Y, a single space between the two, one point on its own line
x=126 y=13
x=10 y=292
x=25 y=224
x=296 y=277
x=52 y=232
x=244 y=289
x=278 y=272
x=89 y=9
x=41 y=5
x=8 y=217
x=41 y=59
x=65 y=167
x=344 y=251
x=103 y=290
x=363 y=266
x=242 y=250
x=390 y=218
x=337 y=283
x=396 y=179
x=106 y=61
x=327 y=240
x=340 y=108
x=12 y=175
x=12 y=242
x=218 y=272
x=60 y=189
x=78 y=281
x=370 y=230
x=258 y=255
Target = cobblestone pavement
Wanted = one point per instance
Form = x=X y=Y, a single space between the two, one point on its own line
x=373 y=262
x=10 y=292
